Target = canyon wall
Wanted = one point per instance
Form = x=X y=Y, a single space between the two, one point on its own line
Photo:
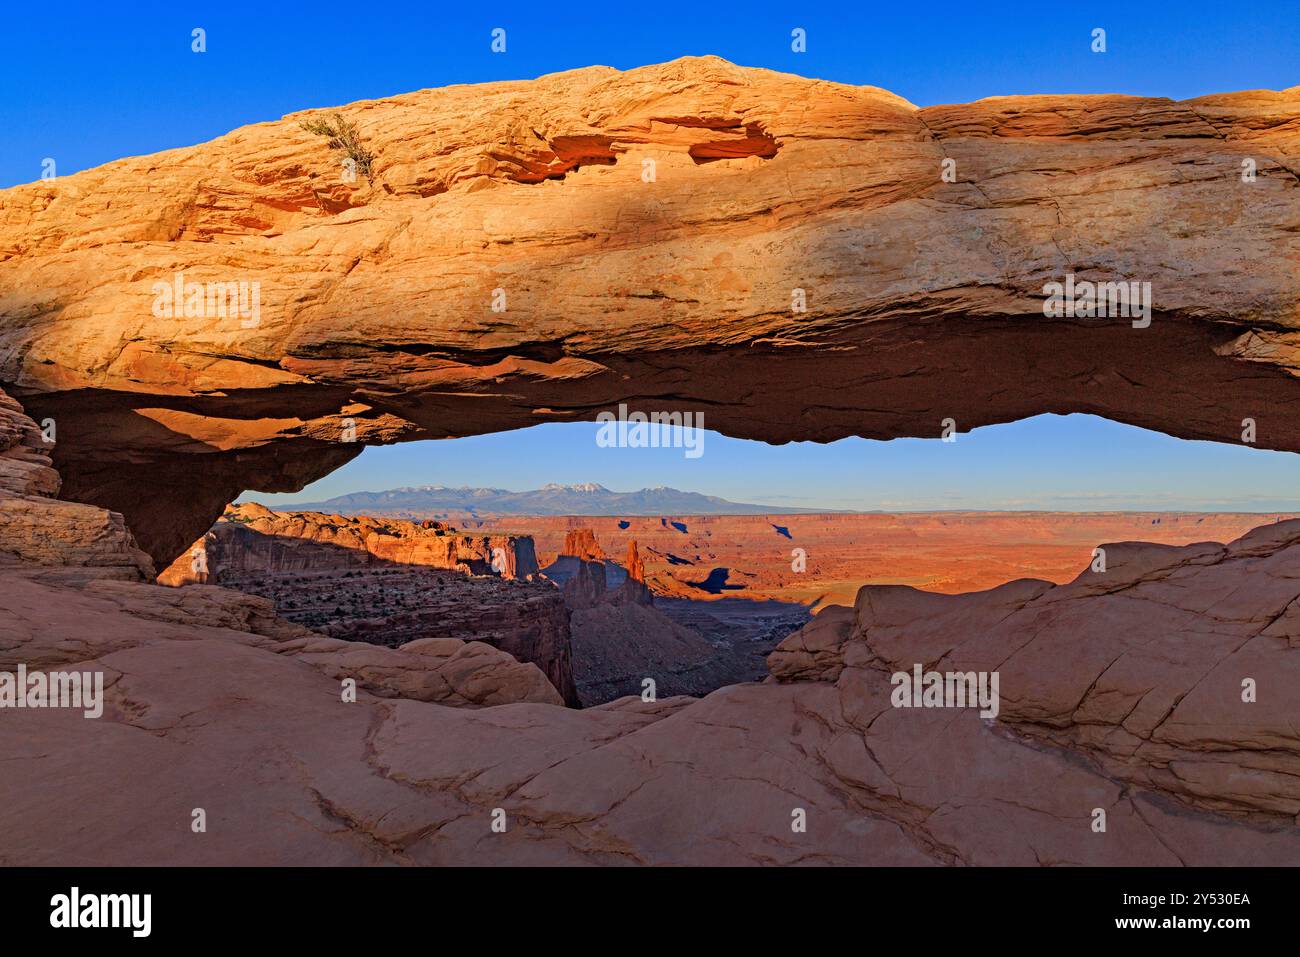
x=251 y=539
x=624 y=645
x=374 y=580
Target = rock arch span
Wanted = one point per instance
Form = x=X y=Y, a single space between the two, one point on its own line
x=374 y=317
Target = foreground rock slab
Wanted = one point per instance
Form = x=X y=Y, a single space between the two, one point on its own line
x=1121 y=693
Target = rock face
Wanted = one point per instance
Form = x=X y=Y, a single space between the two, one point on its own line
x=1121 y=692
x=513 y=262
x=389 y=582
x=1173 y=670
x=584 y=575
x=634 y=587
x=251 y=539
x=586 y=585
x=24 y=454
x=136 y=617
x=68 y=540
x=624 y=646
x=528 y=621
x=581 y=544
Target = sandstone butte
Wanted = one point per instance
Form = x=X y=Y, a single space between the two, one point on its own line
x=924 y=297
x=1121 y=690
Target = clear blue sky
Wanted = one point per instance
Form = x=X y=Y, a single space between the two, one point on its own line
x=86 y=83
x=1069 y=463
x=89 y=82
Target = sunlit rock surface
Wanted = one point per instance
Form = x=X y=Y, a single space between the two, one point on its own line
x=642 y=235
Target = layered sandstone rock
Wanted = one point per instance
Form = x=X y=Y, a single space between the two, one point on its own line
x=528 y=621
x=251 y=539
x=68 y=540
x=584 y=575
x=388 y=582
x=24 y=454
x=622 y=645
x=634 y=588
x=1120 y=692
x=581 y=544
x=585 y=584
x=375 y=316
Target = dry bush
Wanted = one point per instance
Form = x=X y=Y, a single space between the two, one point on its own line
x=343 y=136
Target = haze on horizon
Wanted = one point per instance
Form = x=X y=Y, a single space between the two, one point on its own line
x=1048 y=462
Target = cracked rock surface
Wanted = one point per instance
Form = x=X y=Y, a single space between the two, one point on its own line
x=1121 y=691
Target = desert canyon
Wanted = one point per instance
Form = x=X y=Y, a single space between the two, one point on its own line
x=497 y=659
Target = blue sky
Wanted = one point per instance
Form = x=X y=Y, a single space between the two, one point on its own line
x=1068 y=463
x=89 y=82
x=86 y=83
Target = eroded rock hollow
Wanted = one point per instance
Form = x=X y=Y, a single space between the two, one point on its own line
x=544 y=250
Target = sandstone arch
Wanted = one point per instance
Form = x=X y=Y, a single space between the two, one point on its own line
x=924 y=296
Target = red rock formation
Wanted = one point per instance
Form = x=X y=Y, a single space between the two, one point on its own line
x=303 y=561
x=580 y=567
x=24 y=454
x=634 y=589
x=948 y=552
x=581 y=544
x=586 y=586
x=251 y=539
x=635 y=567
x=376 y=322
x=618 y=641
x=581 y=570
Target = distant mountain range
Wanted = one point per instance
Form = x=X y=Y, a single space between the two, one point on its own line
x=585 y=499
